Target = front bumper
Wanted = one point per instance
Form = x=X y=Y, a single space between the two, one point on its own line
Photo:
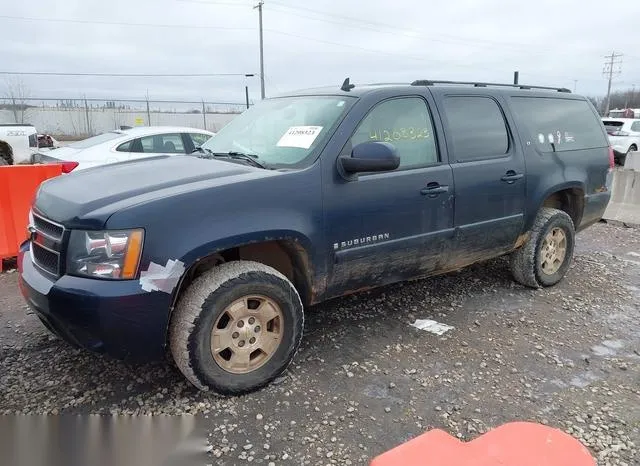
x=113 y=317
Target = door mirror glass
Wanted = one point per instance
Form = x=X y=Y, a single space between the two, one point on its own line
x=371 y=157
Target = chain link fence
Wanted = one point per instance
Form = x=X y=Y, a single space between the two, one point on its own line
x=80 y=118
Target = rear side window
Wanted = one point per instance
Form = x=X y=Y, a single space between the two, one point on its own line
x=158 y=144
x=126 y=147
x=476 y=127
x=635 y=126
x=559 y=124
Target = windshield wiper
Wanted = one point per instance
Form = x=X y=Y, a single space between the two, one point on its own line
x=251 y=158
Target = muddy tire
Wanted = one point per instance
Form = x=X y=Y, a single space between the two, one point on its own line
x=236 y=328
x=545 y=258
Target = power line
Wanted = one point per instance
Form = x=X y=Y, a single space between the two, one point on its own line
x=397 y=55
x=343 y=45
x=215 y=3
x=133 y=100
x=356 y=47
x=120 y=23
x=352 y=21
x=189 y=26
x=120 y=75
x=381 y=31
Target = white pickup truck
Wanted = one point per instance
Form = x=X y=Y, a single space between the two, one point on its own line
x=18 y=143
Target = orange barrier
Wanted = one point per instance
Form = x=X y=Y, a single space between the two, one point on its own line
x=513 y=444
x=18 y=185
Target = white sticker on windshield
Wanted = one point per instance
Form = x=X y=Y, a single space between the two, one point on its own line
x=299 y=136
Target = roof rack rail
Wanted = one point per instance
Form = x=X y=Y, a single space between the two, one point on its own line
x=429 y=82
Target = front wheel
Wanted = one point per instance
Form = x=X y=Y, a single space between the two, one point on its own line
x=546 y=256
x=236 y=328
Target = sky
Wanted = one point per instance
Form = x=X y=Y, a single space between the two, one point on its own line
x=550 y=42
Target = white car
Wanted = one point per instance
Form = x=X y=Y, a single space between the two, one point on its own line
x=18 y=143
x=125 y=144
x=624 y=136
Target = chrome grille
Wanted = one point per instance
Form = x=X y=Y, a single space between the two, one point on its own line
x=48 y=228
x=45 y=259
x=46 y=244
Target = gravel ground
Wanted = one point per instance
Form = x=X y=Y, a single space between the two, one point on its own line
x=365 y=381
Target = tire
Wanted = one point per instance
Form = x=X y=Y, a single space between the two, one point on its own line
x=527 y=264
x=205 y=305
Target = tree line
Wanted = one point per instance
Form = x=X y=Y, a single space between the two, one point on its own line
x=629 y=98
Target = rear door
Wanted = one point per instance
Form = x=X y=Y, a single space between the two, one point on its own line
x=488 y=171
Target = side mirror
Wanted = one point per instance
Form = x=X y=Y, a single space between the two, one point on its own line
x=370 y=157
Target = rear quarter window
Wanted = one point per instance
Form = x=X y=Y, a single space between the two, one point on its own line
x=560 y=125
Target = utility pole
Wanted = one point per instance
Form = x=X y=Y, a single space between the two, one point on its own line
x=86 y=113
x=575 y=85
x=259 y=7
x=148 y=111
x=608 y=71
x=204 y=115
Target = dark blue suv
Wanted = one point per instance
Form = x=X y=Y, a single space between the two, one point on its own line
x=306 y=197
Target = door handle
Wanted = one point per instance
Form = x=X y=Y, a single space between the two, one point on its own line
x=511 y=176
x=434 y=189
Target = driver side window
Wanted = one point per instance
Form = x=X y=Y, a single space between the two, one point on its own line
x=404 y=122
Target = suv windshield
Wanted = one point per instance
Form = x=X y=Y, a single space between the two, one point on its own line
x=281 y=132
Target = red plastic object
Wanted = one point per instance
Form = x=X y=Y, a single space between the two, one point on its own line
x=513 y=444
x=68 y=167
x=18 y=185
x=612 y=162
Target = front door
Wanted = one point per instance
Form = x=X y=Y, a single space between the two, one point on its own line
x=389 y=226
x=489 y=172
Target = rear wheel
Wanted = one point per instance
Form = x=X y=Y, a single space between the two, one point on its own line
x=236 y=328
x=546 y=256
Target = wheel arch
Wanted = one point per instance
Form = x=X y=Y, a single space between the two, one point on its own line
x=288 y=253
x=6 y=151
x=568 y=197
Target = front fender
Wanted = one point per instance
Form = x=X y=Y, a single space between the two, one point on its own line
x=213 y=247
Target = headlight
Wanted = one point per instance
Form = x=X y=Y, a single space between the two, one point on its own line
x=105 y=254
